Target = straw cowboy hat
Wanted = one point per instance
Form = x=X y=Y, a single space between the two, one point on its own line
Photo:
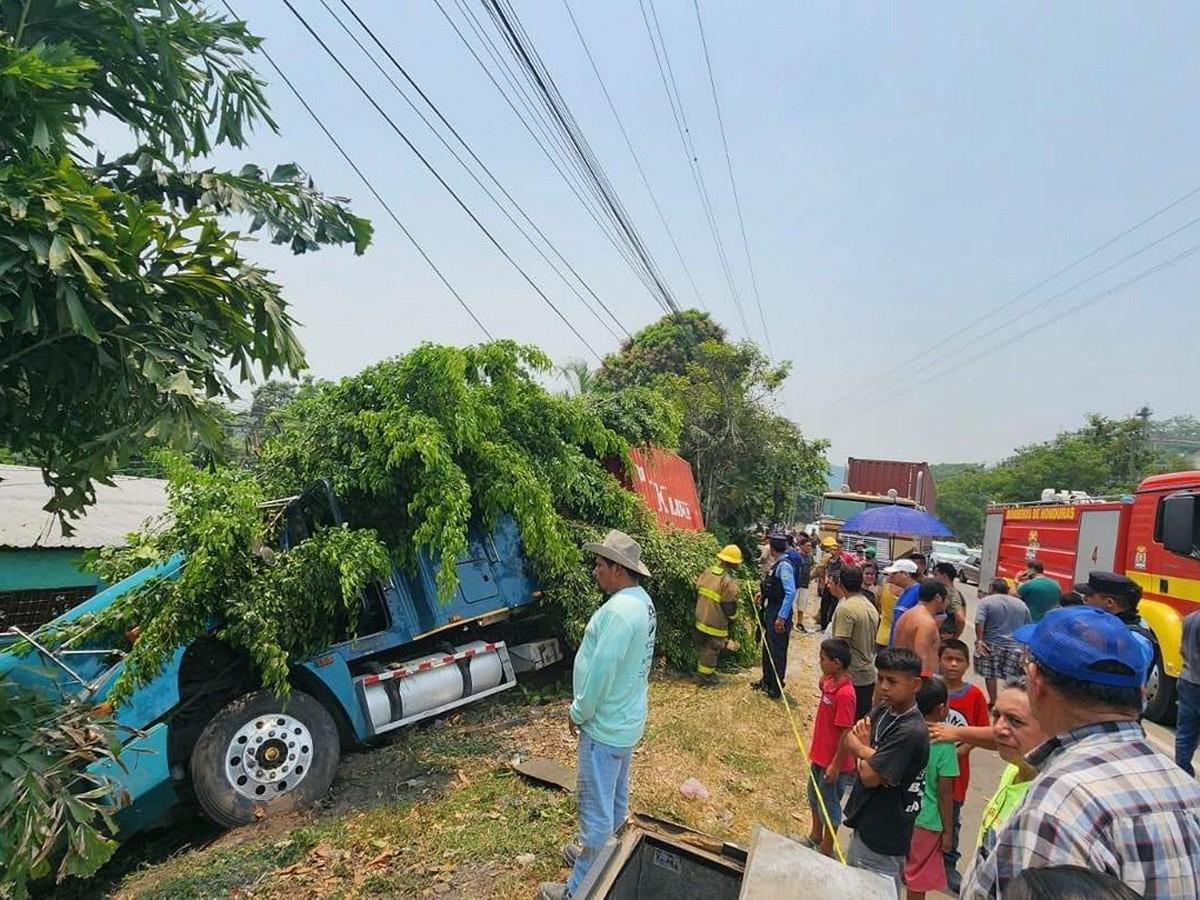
x=620 y=548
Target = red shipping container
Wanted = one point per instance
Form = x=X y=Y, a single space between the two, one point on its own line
x=877 y=476
x=664 y=480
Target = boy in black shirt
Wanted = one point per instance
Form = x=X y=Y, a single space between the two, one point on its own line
x=892 y=749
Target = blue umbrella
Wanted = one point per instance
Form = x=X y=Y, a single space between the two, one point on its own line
x=896 y=520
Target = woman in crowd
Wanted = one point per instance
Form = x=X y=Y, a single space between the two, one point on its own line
x=870 y=585
x=1014 y=732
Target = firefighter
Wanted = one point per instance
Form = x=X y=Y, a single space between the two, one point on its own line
x=716 y=603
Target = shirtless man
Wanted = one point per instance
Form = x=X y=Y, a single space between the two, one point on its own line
x=917 y=629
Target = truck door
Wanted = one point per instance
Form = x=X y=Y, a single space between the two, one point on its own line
x=1097 y=549
x=992 y=528
x=477 y=582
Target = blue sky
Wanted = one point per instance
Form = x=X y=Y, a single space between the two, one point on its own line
x=903 y=168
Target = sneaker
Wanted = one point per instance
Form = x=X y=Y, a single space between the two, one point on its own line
x=552 y=890
x=953 y=881
x=757 y=685
x=570 y=853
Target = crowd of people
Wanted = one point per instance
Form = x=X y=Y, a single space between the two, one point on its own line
x=1086 y=806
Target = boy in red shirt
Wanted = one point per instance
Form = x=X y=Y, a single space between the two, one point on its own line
x=969 y=702
x=832 y=766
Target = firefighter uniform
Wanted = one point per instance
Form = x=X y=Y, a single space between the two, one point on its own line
x=716 y=603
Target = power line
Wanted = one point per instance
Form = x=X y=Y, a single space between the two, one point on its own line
x=667 y=75
x=508 y=24
x=479 y=162
x=538 y=115
x=366 y=181
x=737 y=202
x=935 y=360
x=1045 y=281
x=636 y=160
x=536 y=71
x=429 y=166
x=1039 y=327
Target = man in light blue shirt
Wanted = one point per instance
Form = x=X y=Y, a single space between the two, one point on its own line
x=608 y=713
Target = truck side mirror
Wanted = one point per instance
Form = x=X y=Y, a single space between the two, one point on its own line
x=1179 y=524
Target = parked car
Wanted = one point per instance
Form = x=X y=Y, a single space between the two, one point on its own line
x=953 y=552
x=968 y=569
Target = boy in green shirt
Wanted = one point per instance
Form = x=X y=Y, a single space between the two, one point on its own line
x=933 y=833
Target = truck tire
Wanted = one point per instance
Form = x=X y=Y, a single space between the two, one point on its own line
x=1160 y=693
x=262 y=755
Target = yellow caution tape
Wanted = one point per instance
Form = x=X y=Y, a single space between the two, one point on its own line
x=787 y=708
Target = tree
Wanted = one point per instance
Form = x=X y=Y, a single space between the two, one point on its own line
x=751 y=464
x=123 y=297
x=1106 y=456
x=579 y=375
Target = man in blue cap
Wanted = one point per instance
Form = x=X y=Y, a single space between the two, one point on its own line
x=1105 y=798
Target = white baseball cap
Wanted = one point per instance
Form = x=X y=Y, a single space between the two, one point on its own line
x=901 y=565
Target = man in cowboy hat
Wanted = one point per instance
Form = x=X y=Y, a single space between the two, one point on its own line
x=716 y=603
x=608 y=714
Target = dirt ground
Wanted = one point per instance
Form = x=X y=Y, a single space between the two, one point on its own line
x=438 y=812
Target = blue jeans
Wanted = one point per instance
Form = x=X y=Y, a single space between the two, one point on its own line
x=1187 y=724
x=602 y=792
x=832 y=794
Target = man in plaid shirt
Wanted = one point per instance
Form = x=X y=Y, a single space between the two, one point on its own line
x=1105 y=799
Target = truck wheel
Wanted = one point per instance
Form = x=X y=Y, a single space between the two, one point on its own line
x=262 y=755
x=1160 y=694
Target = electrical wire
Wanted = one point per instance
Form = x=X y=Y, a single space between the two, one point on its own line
x=737 y=202
x=442 y=181
x=574 y=180
x=1030 y=290
x=667 y=75
x=367 y=182
x=521 y=46
x=1034 y=329
x=1012 y=320
x=521 y=210
x=636 y=160
x=534 y=69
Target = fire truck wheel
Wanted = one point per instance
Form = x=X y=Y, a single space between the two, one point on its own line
x=1160 y=694
x=262 y=756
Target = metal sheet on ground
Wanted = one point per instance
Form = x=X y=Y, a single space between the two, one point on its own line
x=779 y=868
x=547 y=771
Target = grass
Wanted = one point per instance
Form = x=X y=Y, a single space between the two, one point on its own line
x=472 y=828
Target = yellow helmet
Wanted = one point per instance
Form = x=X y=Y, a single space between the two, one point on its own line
x=731 y=553
x=829 y=542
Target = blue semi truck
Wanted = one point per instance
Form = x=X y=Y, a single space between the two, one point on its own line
x=204 y=730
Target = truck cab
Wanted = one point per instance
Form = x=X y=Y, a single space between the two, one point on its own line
x=1152 y=536
x=204 y=728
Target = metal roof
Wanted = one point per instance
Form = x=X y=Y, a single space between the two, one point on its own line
x=118 y=510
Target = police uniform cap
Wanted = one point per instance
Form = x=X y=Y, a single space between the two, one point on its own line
x=1113 y=585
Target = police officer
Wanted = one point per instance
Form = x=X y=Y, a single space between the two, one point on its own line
x=777 y=594
x=716 y=603
x=1120 y=596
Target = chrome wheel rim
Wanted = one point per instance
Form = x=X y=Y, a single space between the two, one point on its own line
x=268 y=757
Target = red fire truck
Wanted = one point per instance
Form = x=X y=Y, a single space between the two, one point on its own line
x=1152 y=537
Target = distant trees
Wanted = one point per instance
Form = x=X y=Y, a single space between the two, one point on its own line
x=751 y=464
x=1106 y=456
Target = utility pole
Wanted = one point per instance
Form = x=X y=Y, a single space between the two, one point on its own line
x=1142 y=442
